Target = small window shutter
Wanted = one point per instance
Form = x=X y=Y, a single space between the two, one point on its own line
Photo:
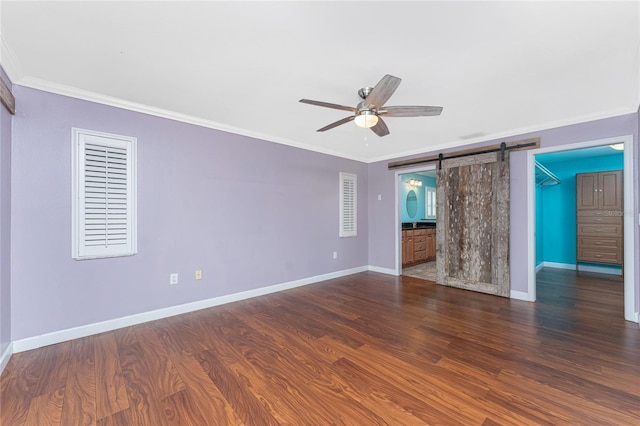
x=430 y=202
x=348 y=205
x=104 y=195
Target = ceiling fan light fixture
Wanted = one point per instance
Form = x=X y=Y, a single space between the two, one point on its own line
x=366 y=119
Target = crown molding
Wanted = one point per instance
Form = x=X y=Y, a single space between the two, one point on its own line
x=9 y=62
x=73 y=92
x=510 y=134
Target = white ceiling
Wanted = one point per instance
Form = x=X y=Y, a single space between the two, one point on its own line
x=497 y=68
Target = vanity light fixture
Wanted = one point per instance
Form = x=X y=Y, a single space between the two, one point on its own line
x=414 y=182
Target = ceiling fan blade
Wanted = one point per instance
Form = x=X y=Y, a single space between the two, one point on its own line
x=380 y=128
x=337 y=123
x=410 y=111
x=327 y=105
x=382 y=91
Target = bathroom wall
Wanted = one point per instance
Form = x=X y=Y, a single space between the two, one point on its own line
x=420 y=195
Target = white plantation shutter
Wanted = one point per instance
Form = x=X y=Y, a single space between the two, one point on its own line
x=429 y=202
x=104 y=195
x=348 y=204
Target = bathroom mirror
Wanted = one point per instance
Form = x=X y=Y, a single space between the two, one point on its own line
x=412 y=203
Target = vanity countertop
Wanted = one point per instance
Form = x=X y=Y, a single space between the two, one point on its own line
x=418 y=225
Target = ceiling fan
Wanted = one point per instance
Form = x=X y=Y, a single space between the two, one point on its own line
x=368 y=113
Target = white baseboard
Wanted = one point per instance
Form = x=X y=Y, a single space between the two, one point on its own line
x=521 y=295
x=6 y=355
x=583 y=268
x=380 y=270
x=558 y=265
x=100 y=327
x=539 y=267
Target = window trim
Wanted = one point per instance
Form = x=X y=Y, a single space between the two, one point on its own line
x=430 y=203
x=345 y=177
x=78 y=142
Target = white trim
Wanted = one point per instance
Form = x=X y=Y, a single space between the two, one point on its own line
x=80 y=138
x=629 y=229
x=101 y=327
x=17 y=78
x=398 y=211
x=9 y=62
x=388 y=271
x=583 y=268
x=559 y=265
x=629 y=222
x=6 y=356
x=348 y=218
x=508 y=134
x=60 y=89
x=531 y=227
x=539 y=267
x=520 y=295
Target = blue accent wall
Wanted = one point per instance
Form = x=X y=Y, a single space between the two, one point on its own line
x=419 y=190
x=556 y=208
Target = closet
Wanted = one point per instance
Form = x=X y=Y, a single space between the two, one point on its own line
x=599 y=221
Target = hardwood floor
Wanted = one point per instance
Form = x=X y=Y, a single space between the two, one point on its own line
x=360 y=350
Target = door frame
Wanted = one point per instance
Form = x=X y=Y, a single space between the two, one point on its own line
x=398 y=215
x=629 y=218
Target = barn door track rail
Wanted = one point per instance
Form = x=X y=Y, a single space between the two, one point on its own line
x=503 y=148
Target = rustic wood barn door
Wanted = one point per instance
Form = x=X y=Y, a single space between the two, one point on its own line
x=473 y=223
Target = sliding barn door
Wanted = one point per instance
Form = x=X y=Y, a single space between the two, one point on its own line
x=473 y=223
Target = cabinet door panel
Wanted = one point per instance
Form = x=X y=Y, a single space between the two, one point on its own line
x=404 y=251
x=431 y=246
x=420 y=255
x=597 y=220
x=410 y=250
x=598 y=255
x=611 y=190
x=587 y=191
x=604 y=243
x=590 y=215
x=605 y=230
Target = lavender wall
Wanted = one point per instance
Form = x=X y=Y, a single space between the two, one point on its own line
x=382 y=225
x=5 y=223
x=249 y=213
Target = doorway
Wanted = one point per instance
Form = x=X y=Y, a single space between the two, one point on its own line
x=572 y=153
x=416 y=221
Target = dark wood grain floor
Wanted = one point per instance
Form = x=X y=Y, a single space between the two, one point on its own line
x=366 y=349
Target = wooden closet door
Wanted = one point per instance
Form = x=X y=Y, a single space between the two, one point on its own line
x=587 y=191
x=610 y=190
x=472 y=238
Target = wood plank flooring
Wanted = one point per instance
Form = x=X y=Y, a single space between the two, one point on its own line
x=368 y=349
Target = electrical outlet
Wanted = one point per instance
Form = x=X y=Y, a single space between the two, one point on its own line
x=198 y=274
x=173 y=278
x=335 y=254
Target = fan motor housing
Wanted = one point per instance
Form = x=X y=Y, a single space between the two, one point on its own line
x=364 y=92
